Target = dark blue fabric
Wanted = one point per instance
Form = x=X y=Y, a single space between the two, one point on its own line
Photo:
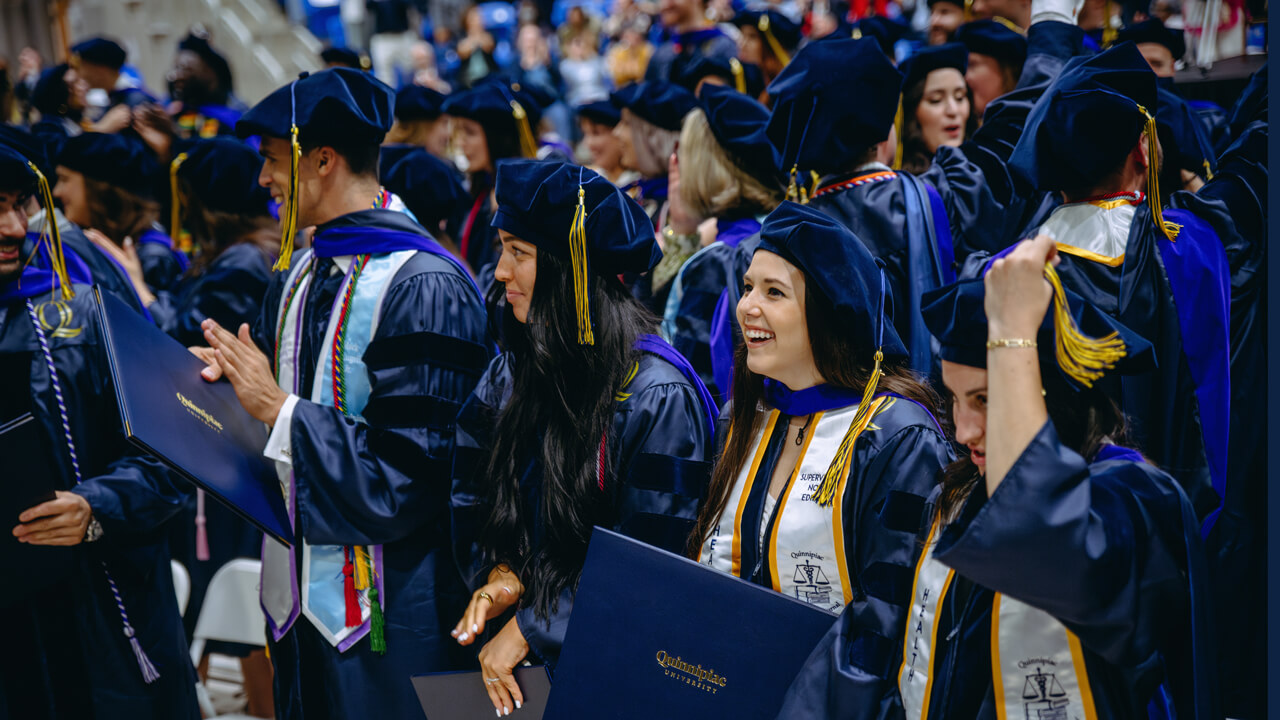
x=538 y=201
x=489 y=103
x=116 y=159
x=1196 y=266
x=927 y=268
x=992 y=38
x=361 y=483
x=709 y=42
x=785 y=30
x=339 y=105
x=916 y=68
x=738 y=123
x=660 y=103
x=361 y=240
x=228 y=291
x=76 y=661
x=223 y=175
x=664 y=415
x=818 y=398
x=657 y=346
x=690 y=70
x=100 y=51
x=840 y=267
x=415 y=102
x=159 y=238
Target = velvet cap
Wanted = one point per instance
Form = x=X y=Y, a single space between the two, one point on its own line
x=335 y=106
x=657 y=102
x=1154 y=31
x=933 y=57
x=740 y=124
x=414 y=102
x=428 y=186
x=119 y=160
x=223 y=173
x=994 y=39
x=100 y=51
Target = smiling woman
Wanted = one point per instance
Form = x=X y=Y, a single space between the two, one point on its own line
x=832 y=446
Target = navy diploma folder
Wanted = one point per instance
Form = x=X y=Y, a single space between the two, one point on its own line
x=197 y=428
x=656 y=635
x=462 y=696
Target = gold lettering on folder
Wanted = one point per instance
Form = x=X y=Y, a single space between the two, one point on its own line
x=199 y=413
x=696 y=676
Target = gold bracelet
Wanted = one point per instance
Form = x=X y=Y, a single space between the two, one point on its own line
x=1011 y=343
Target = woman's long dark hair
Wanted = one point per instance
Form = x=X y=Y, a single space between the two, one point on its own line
x=1084 y=420
x=213 y=231
x=841 y=362
x=916 y=157
x=561 y=407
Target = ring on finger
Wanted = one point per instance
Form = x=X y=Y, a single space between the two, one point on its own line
x=491 y=680
x=486 y=596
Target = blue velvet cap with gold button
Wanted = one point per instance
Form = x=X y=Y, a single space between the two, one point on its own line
x=223 y=173
x=934 y=57
x=338 y=105
x=100 y=51
x=839 y=265
x=501 y=107
x=118 y=160
x=739 y=124
x=600 y=112
x=781 y=34
x=1154 y=31
x=658 y=102
x=428 y=186
x=956 y=315
x=834 y=101
x=414 y=102
x=575 y=214
x=689 y=70
x=884 y=31
x=994 y=39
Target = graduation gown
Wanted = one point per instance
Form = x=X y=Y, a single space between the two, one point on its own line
x=106 y=272
x=66 y=655
x=379 y=481
x=1104 y=548
x=966 y=201
x=695 y=294
x=162 y=265
x=660 y=450
x=229 y=291
x=1237 y=541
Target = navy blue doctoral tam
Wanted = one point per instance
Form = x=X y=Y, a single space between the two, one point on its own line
x=1086 y=121
x=956 y=315
x=428 y=186
x=934 y=57
x=1154 y=31
x=600 y=112
x=223 y=174
x=994 y=39
x=657 y=102
x=840 y=267
x=415 y=102
x=119 y=160
x=834 y=101
x=338 y=106
x=100 y=51
x=739 y=124
x=537 y=201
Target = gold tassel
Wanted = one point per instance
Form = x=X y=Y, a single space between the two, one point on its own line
x=50 y=236
x=968 y=10
x=1169 y=228
x=363 y=577
x=289 y=220
x=739 y=76
x=175 y=199
x=1208 y=171
x=774 y=45
x=1009 y=24
x=578 y=254
x=839 y=468
x=1082 y=358
x=1109 y=31
x=793 y=191
x=897 y=127
x=813 y=189
x=528 y=146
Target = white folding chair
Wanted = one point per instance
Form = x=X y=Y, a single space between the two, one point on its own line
x=230 y=613
x=181 y=585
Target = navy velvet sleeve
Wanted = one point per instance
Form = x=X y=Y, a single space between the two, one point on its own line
x=160 y=268
x=703 y=279
x=1082 y=543
x=373 y=482
x=230 y=292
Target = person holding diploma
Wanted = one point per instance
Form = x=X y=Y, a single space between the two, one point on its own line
x=587 y=418
x=366 y=346
x=92 y=626
x=831 y=446
x=1062 y=571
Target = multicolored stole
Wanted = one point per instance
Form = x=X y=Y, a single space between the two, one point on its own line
x=340 y=585
x=805 y=542
x=1037 y=665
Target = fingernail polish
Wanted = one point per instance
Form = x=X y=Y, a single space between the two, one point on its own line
x=506 y=710
x=517 y=704
x=497 y=712
x=463 y=636
x=475 y=628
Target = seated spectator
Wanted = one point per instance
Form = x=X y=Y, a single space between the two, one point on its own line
x=425 y=71
x=580 y=24
x=628 y=58
x=586 y=77
x=475 y=49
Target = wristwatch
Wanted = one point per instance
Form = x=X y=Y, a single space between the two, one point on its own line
x=94 y=531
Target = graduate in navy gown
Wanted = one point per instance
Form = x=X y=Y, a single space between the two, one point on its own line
x=107 y=185
x=1062 y=573
x=1156 y=263
x=688 y=33
x=769 y=39
x=94 y=630
x=366 y=346
x=834 y=110
x=729 y=173
x=831 y=445
x=585 y=419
